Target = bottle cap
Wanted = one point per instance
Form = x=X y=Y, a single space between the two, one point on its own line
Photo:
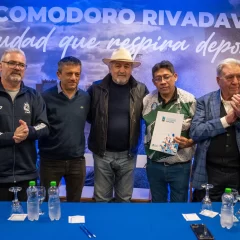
x=53 y=184
x=228 y=190
x=32 y=183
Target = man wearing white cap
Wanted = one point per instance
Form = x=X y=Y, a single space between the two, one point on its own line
x=115 y=117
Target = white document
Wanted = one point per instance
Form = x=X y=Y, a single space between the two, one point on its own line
x=208 y=213
x=76 y=219
x=167 y=126
x=191 y=217
x=17 y=217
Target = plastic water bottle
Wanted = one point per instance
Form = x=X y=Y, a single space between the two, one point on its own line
x=32 y=202
x=227 y=209
x=54 y=210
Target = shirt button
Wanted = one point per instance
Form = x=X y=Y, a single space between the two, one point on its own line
x=227 y=145
x=228 y=134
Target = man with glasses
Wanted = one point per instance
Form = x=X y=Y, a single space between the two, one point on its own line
x=23 y=119
x=216 y=130
x=164 y=170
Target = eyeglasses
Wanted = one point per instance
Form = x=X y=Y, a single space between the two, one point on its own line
x=164 y=77
x=13 y=64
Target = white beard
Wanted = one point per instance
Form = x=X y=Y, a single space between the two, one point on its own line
x=120 y=82
x=15 y=78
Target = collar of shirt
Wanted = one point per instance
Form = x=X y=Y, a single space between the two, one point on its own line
x=61 y=91
x=173 y=98
x=227 y=105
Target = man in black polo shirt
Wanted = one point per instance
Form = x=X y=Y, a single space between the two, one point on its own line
x=115 y=115
x=62 y=152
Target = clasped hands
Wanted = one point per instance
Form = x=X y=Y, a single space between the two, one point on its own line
x=21 y=132
x=232 y=116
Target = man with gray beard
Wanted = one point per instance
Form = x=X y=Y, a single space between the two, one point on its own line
x=23 y=120
x=115 y=116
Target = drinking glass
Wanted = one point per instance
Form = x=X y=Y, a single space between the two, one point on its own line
x=206 y=202
x=235 y=199
x=237 y=214
x=235 y=196
x=16 y=207
x=41 y=197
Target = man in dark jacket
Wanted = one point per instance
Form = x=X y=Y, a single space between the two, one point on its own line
x=23 y=119
x=115 y=117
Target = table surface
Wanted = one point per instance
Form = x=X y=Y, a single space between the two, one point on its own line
x=115 y=221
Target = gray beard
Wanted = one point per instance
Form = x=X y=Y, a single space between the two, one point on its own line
x=117 y=81
x=15 y=79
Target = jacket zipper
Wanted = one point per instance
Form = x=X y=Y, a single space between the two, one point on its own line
x=131 y=120
x=14 y=146
x=105 y=109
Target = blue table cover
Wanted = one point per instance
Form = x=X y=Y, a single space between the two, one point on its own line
x=116 y=221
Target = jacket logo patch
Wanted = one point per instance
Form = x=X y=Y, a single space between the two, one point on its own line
x=26 y=108
x=154 y=106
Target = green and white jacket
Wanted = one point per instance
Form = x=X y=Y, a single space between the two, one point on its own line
x=183 y=103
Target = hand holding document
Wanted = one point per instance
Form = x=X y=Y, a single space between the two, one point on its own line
x=167 y=126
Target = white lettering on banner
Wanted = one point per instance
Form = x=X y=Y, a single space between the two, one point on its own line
x=205 y=19
x=74 y=11
x=222 y=21
x=22 y=42
x=74 y=42
x=124 y=16
x=135 y=46
x=151 y=16
x=216 y=48
x=139 y=44
x=38 y=16
x=109 y=15
x=189 y=19
x=121 y=16
x=88 y=15
x=4 y=9
x=202 y=19
x=52 y=15
x=70 y=15
x=173 y=20
x=235 y=20
x=14 y=11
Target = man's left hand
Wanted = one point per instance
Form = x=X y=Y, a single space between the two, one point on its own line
x=184 y=142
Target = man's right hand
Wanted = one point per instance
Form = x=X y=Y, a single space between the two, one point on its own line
x=231 y=117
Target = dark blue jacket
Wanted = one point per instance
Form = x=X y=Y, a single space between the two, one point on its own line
x=18 y=161
x=206 y=124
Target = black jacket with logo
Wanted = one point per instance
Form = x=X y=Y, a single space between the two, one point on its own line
x=98 y=116
x=18 y=160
